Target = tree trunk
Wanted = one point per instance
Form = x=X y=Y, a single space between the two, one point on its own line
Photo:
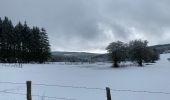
x=140 y=63
x=116 y=64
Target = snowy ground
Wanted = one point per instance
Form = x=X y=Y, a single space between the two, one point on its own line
x=154 y=78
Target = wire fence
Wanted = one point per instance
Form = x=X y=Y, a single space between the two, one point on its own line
x=59 y=98
x=90 y=88
x=8 y=91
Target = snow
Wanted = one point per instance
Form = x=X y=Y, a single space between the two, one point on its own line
x=154 y=77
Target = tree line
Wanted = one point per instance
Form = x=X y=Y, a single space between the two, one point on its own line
x=135 y=51
x=60 y=58
x=21 y=43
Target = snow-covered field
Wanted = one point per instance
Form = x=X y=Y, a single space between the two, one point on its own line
x=155 y=78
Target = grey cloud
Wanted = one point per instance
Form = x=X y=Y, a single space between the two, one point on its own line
x=89 y=25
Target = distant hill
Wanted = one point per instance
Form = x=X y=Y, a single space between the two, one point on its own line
x=163 y=48
x=76 y=54
x=101 y=58
x=73 y=56
x=59 y=56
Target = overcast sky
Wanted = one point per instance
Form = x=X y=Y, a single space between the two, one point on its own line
x=90 y=25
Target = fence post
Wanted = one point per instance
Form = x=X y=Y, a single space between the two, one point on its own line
x=29 y=97
x=108 y=93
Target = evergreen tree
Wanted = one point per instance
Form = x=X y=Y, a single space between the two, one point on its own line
x=44 y=47
x=25 y=38
x=36 y=44
x=0 y=39
x=22 y=43
x=18 y=42
x=7 y=36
